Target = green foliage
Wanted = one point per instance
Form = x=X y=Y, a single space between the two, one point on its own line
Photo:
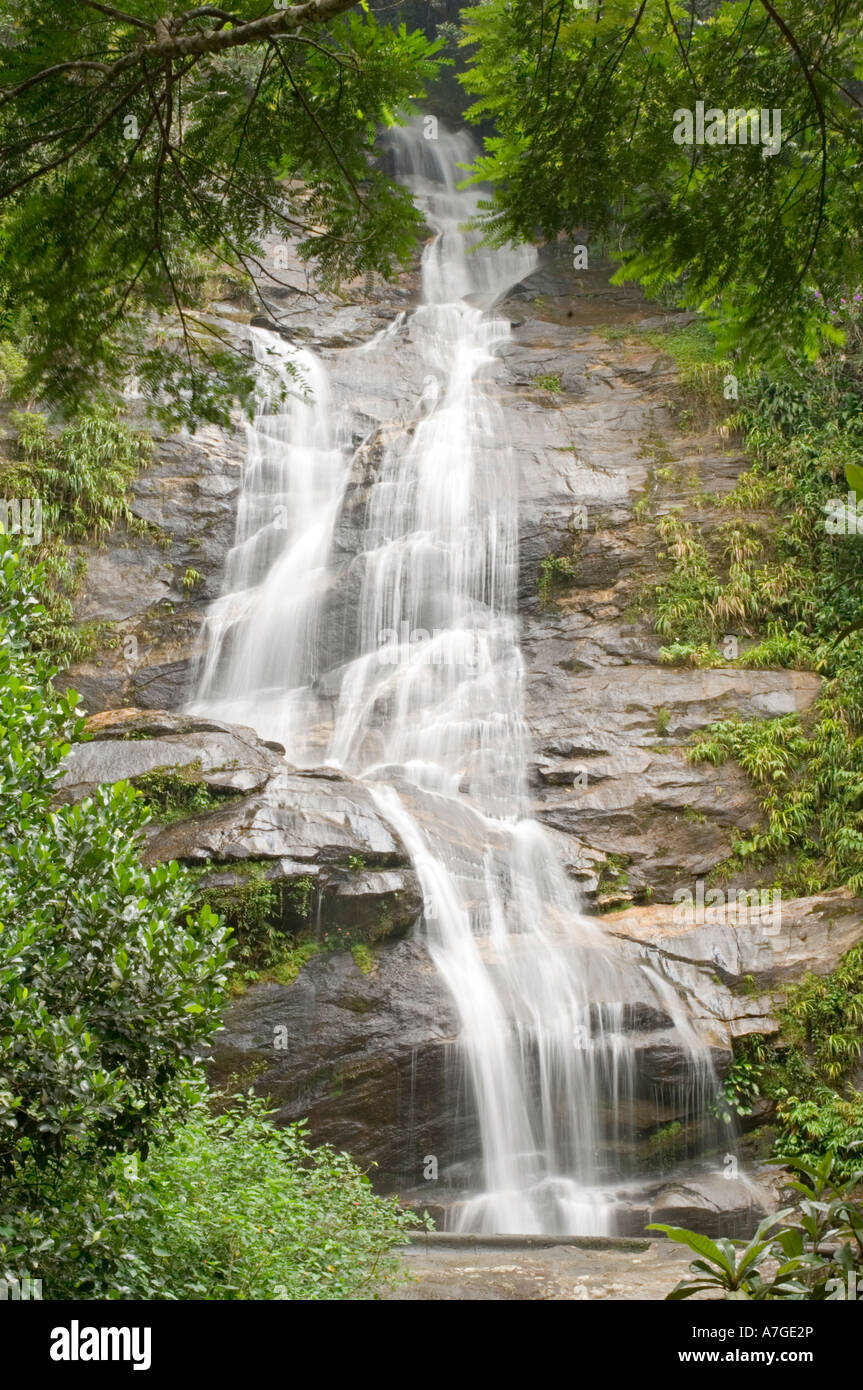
x=299 y=895
x=81 y=474
x=192 y=579
x=809 y=783
x=117 y=1181
x=224 y=1206
x=584 y=104
x=667 y=1143
x=739 y=1090
x=825 y=1012
x=734 y=1268
x=363 y=958
x=174 y=794
x=808 y=1072
x=230 y=1208
x=772 y=572
x=613 y=881
x=161 y=162
x=249 y=906
x=551 y=569
x=550 y=381
x=812 y=1247
x=108 y=981
x=825 y=1123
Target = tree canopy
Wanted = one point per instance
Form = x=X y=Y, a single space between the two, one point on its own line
x=143 y=152
x=715 y=145
x=588 y=103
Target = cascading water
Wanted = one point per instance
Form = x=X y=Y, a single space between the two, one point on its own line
x=429 y=711
x=261 y=638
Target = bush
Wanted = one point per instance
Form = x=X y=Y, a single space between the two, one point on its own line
x=108 y=984
x=224 y=1207
x=231 y=1208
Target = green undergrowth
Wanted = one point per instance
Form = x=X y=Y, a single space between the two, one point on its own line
x=274 y=924
x=80 y=475
x=760 y=582
x=810 y=1073
x=174 y=794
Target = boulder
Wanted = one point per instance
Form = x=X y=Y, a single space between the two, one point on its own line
x=318 y=835
x=127 y=744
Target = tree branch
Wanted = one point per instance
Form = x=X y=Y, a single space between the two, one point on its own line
x=822 y=123
x=257 y=30
x=119 y=14
x=49 y=72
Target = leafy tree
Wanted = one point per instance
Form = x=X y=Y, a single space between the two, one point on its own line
x=586 y=99
x=108 y=984
x=144 y=152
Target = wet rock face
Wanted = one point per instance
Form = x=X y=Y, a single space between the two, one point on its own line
x=587 y=414
x=154 y=589
x=732 y=961
x=721 y=1203
x=129 y=744
x=371 y=1059
x=367 y=1057
x=316 y=834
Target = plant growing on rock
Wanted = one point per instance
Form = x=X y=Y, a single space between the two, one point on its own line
x=807 y=1251
x=551 y=569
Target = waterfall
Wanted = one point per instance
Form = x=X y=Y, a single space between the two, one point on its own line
x=261 y=638
x=429 y=710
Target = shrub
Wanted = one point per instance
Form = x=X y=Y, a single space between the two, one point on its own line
x=108 y=983
x=230 y=1208
x=812 y=1250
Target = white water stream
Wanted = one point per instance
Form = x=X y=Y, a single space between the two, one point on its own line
x=430 y=711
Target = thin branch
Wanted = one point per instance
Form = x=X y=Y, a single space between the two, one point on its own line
x=822 y=123
x=683 y=52
x=242 y=140
x=49 y=72
x=320 y=129
x=202 y=11
x=343 y=61
x=119 y=14
x=64 y=158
